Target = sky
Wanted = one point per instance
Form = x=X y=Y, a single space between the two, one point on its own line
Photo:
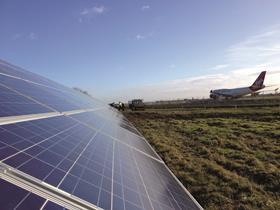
x=154 y=50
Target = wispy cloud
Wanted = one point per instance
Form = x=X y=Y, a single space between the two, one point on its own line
x=145 y=7
x=96 y=10
x=16 y=36
x=30 y=36
x=139 y=37
x=261 y=48
x=197 y=87
x=172 y=66
x=88 y=13
x=143 y=36
x=220 y=66
x=243 y=62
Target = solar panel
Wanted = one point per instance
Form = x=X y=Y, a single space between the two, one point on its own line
x=87 y=157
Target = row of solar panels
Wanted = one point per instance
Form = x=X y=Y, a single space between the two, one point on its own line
x=83 y=155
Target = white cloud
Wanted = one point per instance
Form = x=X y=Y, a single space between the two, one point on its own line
x=92 y=11
x=172 y=66
x=99 y=9
x=144 y=36
x=32 y=36
x=16 y=36
x=261 y=48
x=145 y=7
x=139 y=37
x=220 y=66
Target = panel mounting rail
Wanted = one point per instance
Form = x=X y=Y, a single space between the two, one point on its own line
x=43 y=189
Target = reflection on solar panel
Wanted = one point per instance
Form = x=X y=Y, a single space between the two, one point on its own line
x=63 y=150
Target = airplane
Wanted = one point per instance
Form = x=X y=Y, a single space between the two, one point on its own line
x=239 y=92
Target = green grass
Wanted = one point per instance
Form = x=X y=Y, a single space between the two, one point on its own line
x=227 y=158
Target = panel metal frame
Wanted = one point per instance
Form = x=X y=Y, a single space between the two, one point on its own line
x=43 y=189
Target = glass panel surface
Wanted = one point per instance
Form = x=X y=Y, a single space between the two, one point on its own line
x=96 y=155
x=13 y=104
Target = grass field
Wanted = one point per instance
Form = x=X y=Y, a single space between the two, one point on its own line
x=227 y=158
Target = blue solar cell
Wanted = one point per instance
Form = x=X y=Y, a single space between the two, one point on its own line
x=69 y=183
x=81 y=99
x=44 y=95
x=91 y=119
x=106 y=184
x=65 y=165
x=9 y=138
x=50 y=157
x=118 y=190
x=55 y=177
x=6 y=152
x=162 y=187
x=130 y=139
x=18 y=160
x=129 y=128
x=87 y=192
x=36 y=168
x=13 y=197
x=32 y=201
x=2 y=145
x=9 y=69
x=115 y=130
x=132 y=196
x=22 y=145
x=92 y=177
x=104 y=200
x=13 y=104
x=34 y=150
x=118 y=203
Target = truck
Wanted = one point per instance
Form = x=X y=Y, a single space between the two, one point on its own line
x=136 y=104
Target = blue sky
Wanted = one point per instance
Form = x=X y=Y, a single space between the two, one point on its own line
x=159 y=49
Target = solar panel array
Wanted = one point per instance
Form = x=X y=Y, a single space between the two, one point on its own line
x=68 y=145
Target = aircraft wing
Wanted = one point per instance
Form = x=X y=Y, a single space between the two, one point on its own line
x=61 y=149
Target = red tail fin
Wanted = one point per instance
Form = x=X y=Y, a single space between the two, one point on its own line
x=258 y=84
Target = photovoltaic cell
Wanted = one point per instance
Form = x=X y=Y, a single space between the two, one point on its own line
x=38 y=93
x=12 y=70
x=81 y=163
x=113 y=129
x=162 y=188
x=97 y=156
x=71 y=95
x=13 y=197
x=91 y=119
x=12 y=104
x=52 y=206
x=117 y=119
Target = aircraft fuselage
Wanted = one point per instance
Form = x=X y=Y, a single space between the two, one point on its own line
x=230 y=93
